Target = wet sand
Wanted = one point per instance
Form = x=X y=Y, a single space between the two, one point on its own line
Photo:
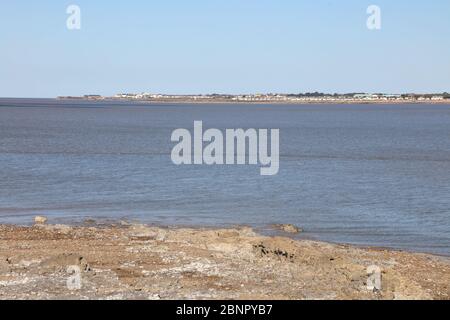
x=125 y=261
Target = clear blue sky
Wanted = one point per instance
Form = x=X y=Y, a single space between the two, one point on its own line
x=224 y=46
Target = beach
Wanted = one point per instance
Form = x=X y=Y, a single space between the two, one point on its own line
x=136 y=261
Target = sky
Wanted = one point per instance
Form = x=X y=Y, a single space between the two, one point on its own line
x=223 y=46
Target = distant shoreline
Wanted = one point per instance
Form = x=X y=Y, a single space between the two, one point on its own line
x=232 y=102
x=349 y=102
x=274 y=98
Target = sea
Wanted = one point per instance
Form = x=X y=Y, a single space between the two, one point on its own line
x=366 y=175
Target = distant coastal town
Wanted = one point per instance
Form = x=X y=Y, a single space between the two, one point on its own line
x=314 y=97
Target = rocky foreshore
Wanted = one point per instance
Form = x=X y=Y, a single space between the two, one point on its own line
x=141 y=262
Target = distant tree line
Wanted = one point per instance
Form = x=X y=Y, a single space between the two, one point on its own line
x=445 y=95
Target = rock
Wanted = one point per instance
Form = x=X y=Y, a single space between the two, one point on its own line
x=289 y=228
x=267 y=250
x=40 y=220
x=58 y=228
x=28 y=263
x=228 y=234
x=90 y=221
x=247 y=232
x=5 y=265
x=144 y=233
x=61 y=262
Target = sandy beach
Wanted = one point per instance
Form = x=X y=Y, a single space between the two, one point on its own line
x=134 y=261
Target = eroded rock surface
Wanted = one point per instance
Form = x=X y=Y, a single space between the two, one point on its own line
x=142 y=262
